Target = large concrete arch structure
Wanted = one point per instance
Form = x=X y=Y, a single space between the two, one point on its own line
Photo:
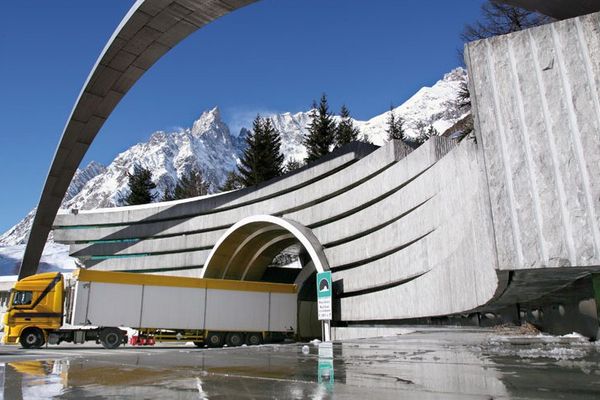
x=148 y=31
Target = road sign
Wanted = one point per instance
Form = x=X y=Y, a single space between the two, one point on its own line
x=324 y=295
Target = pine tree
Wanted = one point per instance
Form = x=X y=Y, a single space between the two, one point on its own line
x=345 y=132
x=272 y=160
x=432 y=132
x=249 y=168
x=395 y=126
x=365 y=139
x=140 y=187
x=463 y=97
x=191 y=184
x=292 y=165
x=321 y=131
x=262 y=159
x=232 y=182
x=424 y=132
x=168 y=195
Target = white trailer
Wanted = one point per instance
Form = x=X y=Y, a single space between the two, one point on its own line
x=162 y=308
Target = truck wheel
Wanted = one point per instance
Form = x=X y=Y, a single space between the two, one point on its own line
x=253 y=339
x=235 y=339
x=214 y=339
x=32 y=338
x=199 y=344
x=110 y=338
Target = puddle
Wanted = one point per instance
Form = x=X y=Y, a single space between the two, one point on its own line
x=414 y=366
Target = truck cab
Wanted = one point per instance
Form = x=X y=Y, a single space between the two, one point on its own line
x=35 y=309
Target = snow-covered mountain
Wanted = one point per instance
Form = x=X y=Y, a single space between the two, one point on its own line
x=55 y=258
x=434 y=106
x=210 y=146
x=18 y=234
x=207 y=145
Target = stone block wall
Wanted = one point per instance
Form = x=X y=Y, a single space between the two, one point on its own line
x=537 y=117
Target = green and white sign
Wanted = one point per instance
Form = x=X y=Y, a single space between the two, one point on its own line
x=324 y=295
x=325 y=373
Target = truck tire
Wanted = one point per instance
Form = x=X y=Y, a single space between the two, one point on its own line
x=214 y=339
x=234 y=339
x=110 y=338
x=32 y=338
x=253 y=339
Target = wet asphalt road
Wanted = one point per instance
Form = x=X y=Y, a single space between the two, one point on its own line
x=430 y=363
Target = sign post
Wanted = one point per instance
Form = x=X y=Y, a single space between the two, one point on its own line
x=324 y=303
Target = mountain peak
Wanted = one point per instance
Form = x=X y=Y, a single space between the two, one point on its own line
x=209 y=120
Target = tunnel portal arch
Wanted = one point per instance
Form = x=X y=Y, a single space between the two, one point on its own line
x=247 y=248
x=245 y=251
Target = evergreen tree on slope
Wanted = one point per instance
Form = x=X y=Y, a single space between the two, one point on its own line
x=232 y=182
x=292 y=165
x=140 y=187
x=272 y=160
x=169 y=194
x=395 y=126
x=345 y=132
x=191 y=184
x=249 y=168
x=262 y=159
x=321 y=131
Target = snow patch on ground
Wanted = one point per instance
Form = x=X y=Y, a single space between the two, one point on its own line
x=557 y=353
x=573 y=346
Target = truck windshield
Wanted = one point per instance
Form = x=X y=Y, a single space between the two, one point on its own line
x=22 y=298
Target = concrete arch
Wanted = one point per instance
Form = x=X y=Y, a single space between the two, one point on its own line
x=255 y=237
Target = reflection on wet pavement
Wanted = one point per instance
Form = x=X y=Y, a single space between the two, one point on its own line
x=427 y=364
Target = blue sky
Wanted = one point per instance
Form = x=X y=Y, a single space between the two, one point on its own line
x=275 y=55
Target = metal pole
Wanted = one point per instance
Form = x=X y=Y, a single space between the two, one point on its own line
x=327 y=331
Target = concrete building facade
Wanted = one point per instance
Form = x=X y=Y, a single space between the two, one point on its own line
x=502 y=228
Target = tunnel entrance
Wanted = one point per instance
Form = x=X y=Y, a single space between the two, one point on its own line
x=272 y=249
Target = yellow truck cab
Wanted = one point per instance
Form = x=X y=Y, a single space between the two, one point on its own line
x=35 y=309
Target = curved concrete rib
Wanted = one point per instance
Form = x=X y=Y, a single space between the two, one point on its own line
x=148 y=31
x=248 y=236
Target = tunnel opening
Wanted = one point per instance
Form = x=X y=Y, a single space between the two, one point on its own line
x=265 y=248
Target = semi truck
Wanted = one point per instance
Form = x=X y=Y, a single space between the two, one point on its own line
x=96 y=305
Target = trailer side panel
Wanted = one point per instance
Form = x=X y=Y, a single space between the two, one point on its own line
x=234 y=310
x=283 y=315
x=173 y=307
x=113 y=304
